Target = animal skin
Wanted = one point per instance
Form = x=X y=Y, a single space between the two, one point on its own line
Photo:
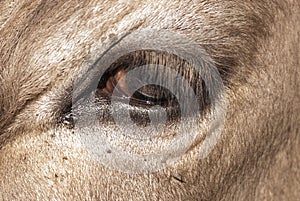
x=255 y=46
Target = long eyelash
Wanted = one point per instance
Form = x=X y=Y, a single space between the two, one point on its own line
x=147 y=57
x=183 y=68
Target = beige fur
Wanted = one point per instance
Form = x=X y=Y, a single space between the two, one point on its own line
x=255 y=44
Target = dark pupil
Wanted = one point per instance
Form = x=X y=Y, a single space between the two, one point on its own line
x=153 y=95
x=149 y=96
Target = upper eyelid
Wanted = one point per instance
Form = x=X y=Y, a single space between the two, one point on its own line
x=133 y=41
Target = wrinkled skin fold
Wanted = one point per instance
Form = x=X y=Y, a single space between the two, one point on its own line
x=255 y=46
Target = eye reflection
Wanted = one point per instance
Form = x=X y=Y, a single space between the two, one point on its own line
x=148 y=97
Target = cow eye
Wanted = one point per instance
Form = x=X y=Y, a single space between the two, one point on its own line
x=114 y=84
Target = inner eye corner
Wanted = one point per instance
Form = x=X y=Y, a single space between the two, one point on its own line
x=66 y=117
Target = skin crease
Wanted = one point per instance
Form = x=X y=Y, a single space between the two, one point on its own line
x=255 y=44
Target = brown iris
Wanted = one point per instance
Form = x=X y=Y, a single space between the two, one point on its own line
x=115 y=82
